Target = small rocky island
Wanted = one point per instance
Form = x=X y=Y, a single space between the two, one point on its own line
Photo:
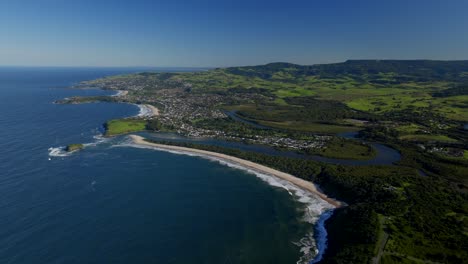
x=74 y=147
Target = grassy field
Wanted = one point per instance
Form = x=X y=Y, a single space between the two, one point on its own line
x=305 y=114
x=380 y=93
x=123 y=126
x=409 y=129
x=346 y=149
x=365 y=94
x=441 y=138
x=454 y=107
x=310 y=127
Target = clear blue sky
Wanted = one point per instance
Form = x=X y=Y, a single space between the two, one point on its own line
x=227 y=33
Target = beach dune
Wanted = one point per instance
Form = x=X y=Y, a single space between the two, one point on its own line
x=303 y=184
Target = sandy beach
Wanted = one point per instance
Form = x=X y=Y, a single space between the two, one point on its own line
x=147 y=110
x=154 y=110
x=120 y=93
x=303 y=184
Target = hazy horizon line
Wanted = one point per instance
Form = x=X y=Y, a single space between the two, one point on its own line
x=214 y=67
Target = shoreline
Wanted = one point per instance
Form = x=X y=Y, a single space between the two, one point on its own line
x=298 y=182
x=120 y=93
x=147 y=110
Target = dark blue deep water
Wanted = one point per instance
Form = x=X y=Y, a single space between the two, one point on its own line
x=117 y=204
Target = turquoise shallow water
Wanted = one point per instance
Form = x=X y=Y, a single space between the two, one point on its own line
x=114 y=203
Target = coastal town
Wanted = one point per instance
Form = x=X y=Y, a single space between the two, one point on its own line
x=179 y=109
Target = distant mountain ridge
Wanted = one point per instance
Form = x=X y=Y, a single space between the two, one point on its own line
x=424 y=70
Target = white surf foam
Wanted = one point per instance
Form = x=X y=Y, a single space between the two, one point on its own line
x=314 y=243
x=118 y=93
x=59 y=152
x=98 y=140
x=145 y=111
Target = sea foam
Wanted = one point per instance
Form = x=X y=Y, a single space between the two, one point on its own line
x=59 y=152
x=145 y=111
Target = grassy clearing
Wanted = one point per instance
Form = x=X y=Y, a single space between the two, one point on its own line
x=346 y=149
x=409 y=129
x=392 y=259
x=123 y=126
x=73 y=147
x=441 y=138
x=354 y=122
x=309 y=127
x=391 y=102
x=453 y=107
x=299 y=91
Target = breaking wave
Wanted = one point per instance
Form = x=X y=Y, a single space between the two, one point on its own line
x=62 y=152
x=59 y=152
x=145 y=111
x=118 y=93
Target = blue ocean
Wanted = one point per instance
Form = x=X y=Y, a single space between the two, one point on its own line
x=115 y=203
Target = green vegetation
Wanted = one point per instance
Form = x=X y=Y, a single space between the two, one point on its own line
x=303 y=114
x=128 y=125
x=420 y=137
x=339 y=148
x=427 y=159
x=246 y=130
x=320 y=128
x=425 y=218
x=73 y=147
x=303 y=97
x=409 y=129
x=154 y=125
x=418 y=207
x=124 y=126
x=460 y=89
x=87 y=99
x=375 y=87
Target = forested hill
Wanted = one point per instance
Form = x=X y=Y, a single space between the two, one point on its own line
x=424 y=70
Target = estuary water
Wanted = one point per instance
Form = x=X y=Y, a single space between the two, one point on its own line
x=115 y=203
